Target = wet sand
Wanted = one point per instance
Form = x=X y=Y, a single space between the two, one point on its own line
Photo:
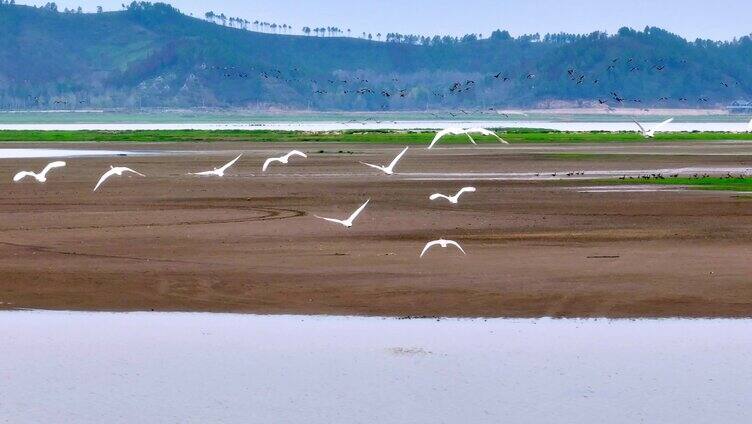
x=249 y=242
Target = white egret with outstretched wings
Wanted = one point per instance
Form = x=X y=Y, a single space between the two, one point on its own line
x=650 y=133
x=282 y=159
x=115 y=170
x=483 y=131
x=40 y=177
x=388 y=170
x=449 y=131
x=453 y=199
x=349 y=221
x=219 y=172
x=442 y=243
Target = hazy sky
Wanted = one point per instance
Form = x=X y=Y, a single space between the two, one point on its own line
x=720 y=20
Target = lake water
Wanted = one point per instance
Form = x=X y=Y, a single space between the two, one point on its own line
x=375 y=125
x=176 y=367
x=63 y=153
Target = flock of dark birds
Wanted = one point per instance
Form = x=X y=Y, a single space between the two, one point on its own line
x=395 y=89
x=660 y=176
x=361 y=86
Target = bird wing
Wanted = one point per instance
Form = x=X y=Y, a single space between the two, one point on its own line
x=438 y=196
x=438 y=136
x=457 y=245
x=471 y=138
x=205 y=173
x=501 y=139
x=380 y=168
x=52 y=165
x=296 y=153
x=492 y=133
x=399 y=156
x=465 y=190
x=132 y=171
x=664 y=123
x=481 y=131
x=336 y=221
x=642 y=129
x=429 y=245
x=268 y=162
x=357 y=212
x=230 y=163
x=21 y=175
x=104 y=177
x=484 y=131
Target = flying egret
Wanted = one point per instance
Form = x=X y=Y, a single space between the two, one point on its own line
x=115 y=170
x=453 y=199
x=650 y=133
x=388 y=170
x=40 y=177
x=349 y=221
x=483 y=131
x=448 y=131
x=219 y=172
x=442 y=243
x=282 y=159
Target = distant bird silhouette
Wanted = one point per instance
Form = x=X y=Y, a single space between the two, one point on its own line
x=442 y=243
x=483 y=131
x=389 y=170
x=448 y=131
x=219 y=172
x=650 y=133
x=453 y=199
x=115 y=170
x=282 y=159
x=350 y=220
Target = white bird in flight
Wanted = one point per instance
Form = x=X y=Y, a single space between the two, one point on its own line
x=483 y=131
x=465 y=131
x=388 y=170
x=349 y=221
x=42 y=176
x=219 y=172
x=115 y=170
x=282 y=159
x=448 y=131
x=650 y=133
x=453 y=199
x=442 y=243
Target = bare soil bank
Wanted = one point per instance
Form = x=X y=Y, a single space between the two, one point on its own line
x=249 y=242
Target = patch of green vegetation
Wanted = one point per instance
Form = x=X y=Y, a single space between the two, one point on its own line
x=354 y=136
x=733 y=183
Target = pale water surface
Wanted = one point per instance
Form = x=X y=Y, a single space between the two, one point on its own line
x=175 y=367
x=373 y=125
x=62 y=153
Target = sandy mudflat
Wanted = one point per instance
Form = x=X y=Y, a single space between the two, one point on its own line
x=249 y=242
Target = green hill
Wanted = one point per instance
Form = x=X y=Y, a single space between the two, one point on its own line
x=151 y=55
